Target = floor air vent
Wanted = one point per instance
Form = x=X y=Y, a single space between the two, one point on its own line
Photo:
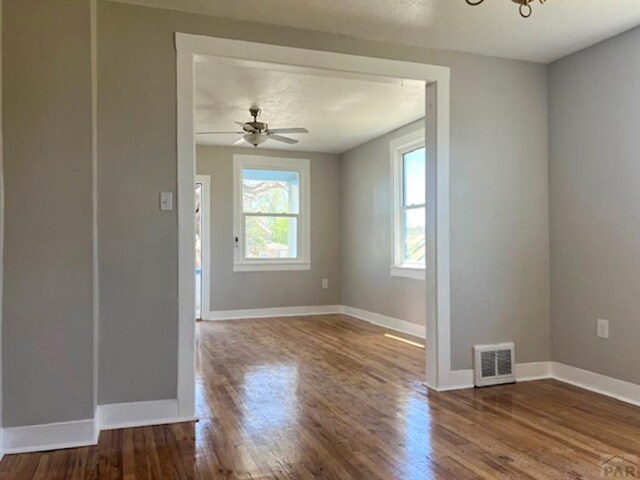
x=494 y=364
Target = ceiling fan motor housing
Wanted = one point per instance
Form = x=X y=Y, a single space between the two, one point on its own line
x=259 y=127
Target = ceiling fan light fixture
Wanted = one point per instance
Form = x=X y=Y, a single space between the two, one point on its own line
x=525 y=5
x=256 y=133
x=255 y=139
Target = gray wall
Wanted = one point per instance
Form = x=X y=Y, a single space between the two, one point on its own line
x=138 y=243
x=366 y=235
x=47 y=315
x=1 y=210
x=595 y=206
x=499 y=151
x=231 y=291
x=499 y=208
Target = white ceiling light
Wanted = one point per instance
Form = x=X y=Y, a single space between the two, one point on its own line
x=525 y=5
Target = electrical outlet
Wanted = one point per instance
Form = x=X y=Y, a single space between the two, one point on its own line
x=325 y=283
x=603 y=328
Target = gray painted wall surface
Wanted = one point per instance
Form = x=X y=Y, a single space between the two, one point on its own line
x=231 y=291
x=595 y=206
x=47 y=314
x=366 y=235
x=499 y=219
x=138 y=244
x=1 y=211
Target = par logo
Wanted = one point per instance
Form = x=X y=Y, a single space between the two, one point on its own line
x=619 y=466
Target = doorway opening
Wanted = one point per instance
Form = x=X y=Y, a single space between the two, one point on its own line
x=191 y=49
x=202 y=200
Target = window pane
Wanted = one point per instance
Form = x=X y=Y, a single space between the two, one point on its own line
x=271 y=237
x=414 y=177
x=270 y=191
x=414 y=244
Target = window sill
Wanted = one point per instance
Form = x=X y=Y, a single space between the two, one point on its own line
x=270 y=266
x=406 y=271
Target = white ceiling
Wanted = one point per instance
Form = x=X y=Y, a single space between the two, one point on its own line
x=556 y=29
x=340 y=111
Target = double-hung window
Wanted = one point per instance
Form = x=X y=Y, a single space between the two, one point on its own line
x=271 y=214
x=408 y=165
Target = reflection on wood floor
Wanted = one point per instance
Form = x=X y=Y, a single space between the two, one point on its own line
x=330 y=397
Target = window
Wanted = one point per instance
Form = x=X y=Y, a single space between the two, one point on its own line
x=408 y=160
x=271 y=214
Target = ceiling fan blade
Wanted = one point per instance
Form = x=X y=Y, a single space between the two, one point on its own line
x=280 y=138
x=219 y=133
x=247 y=126
x=289 y=130
x=239 y=141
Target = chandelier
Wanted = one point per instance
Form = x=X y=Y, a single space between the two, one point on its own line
x=525 y=5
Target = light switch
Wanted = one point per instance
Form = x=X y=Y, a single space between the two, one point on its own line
x=603 y=328
x=166 y=201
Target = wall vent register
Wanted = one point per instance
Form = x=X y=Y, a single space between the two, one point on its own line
x=494 y=364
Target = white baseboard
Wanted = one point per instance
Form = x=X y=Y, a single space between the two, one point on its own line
x=388 y=322
x=272 y=312
x=82 y=433
x=611 y=387
x=525 y=372
x=52 y=436
x=139 y=414
x=458 y=380
x=371 y=317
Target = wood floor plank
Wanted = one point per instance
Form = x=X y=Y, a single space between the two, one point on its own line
x=333 y=398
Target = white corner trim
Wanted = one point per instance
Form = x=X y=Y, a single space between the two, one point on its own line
x=52 y=436
x=414 y=273
x=140 y=414
x=385 y=321
x=273 y=312
x=611 y=387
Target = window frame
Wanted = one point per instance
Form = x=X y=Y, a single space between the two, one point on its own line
x=261 y=162
x=398 y=148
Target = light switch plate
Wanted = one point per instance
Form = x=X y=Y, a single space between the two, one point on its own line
x=603 y=328
x=166 y=201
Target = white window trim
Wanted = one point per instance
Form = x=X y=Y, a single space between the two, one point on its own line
x=300 y=165
x=398 y=147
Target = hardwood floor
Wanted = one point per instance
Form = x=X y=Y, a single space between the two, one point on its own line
x=330 y=397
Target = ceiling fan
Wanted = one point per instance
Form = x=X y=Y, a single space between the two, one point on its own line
x=256 y=133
